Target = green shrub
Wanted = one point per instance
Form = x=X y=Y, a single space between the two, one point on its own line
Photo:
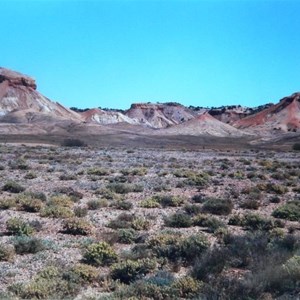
x=100 y=254
x=272 y=188
x=130 y=270
x=55 y=211
x=122 y=204
x=218 y=206
x=30 y=175
x=95 y=204
x=140 y=223
x=124 y=188
x=67 y=177
x=236 y=220
x=77 y=226
x=18 y=227
x=257 y=222
x=251 y=204
x=13 y=187
x=193 y=247
x=199 y=198
x=186 y=287
x=192 y=209
x=73 y=143
x=125 y=220
x=126 y=236
x=168 y=200
x=29 y=204
x=7 y=252
x=296 y=146
x=289 y=211
x=179 y=219
x=80 y=212
x=97 y=172
x=134 y=172
x=212 y=262
x=149 y=203
x=61 y=200
x=50 y=282
x=166 y=244
x=7 y=203
x=212 y=223
x=25 y=245
x=85 y=273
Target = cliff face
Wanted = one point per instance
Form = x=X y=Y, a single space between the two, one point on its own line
x=21 y=103
x=282 y=117
x=160 y=115
x=18 y=93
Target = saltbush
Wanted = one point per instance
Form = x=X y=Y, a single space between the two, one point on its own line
x=13 y=187
x=25 y=245
x=18 y=227
x=218 y=206
x=289 y=211
x=100 y=254
x=130 y=270
x=77 y=226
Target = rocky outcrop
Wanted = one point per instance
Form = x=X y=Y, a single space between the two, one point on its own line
x=18 y=93
x=203 y=124
x=16 y=79
x=160 y=115
x=105 y=117
x=282 y=117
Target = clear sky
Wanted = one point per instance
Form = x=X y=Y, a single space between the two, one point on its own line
x=113 y=53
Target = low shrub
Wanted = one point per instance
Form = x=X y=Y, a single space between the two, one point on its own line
x=125 y=220
x=192 y=209
x=126 y=236
x=179 y=220
x=212 y=223
x=61 y=200
x=169 y=200
x=73 y=143
x=198 y=198
x=296 y=146
x=7 y=203
x=7 y=252
x=257 y=222
x=100 y=254
x=122 y=205
x=95 y=204
x=13 y=187
x=85 y=273
x=193 y=247
x=166 y=244
x=18 y=227
x=67 y=177
x=25 y=245
x=186 y=287
x=29 y=204
x=251 y=204
x=80 y=212
x=56 y=211
x=98 y=172
x=50 y=282
x=77 y=226
x=149 y=203
x=289 y=211
x=124 y=188
x=218 y=206
x=130 y=270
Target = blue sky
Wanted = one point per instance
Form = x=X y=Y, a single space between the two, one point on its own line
x=114 y=53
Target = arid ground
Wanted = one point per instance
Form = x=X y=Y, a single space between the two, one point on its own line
x=131 y=222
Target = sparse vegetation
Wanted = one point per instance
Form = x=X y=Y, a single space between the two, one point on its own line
x=146 y=224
